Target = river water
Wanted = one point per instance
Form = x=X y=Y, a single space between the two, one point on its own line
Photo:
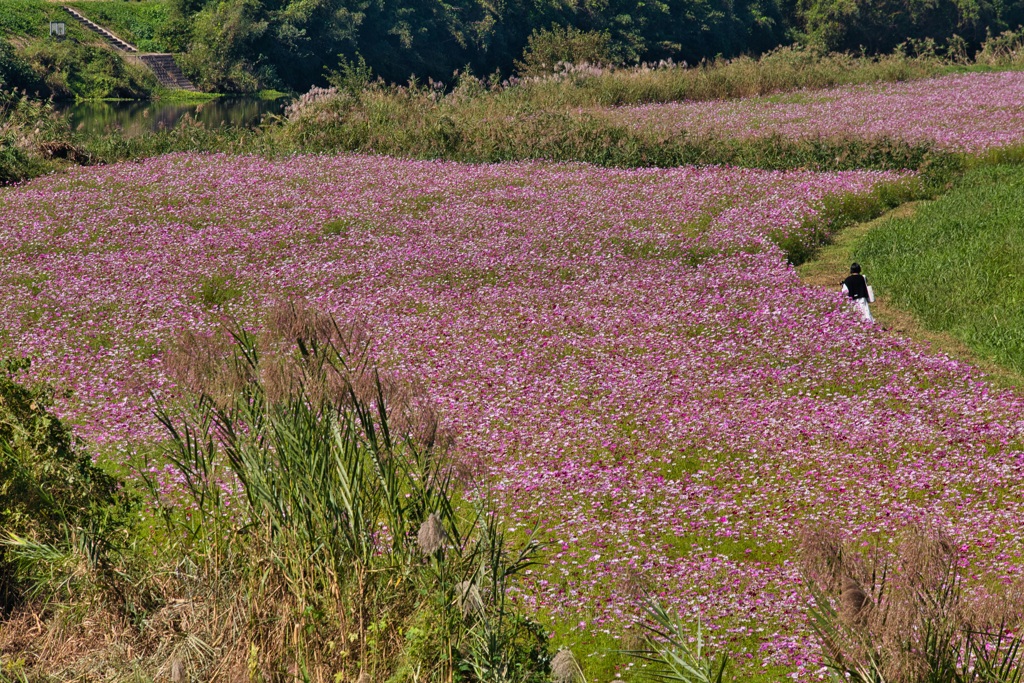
x=141 y=117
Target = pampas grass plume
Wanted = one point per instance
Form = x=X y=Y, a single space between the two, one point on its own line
x=565 y=668
x=430 y=538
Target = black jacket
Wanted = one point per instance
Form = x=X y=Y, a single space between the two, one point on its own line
x=856 y=286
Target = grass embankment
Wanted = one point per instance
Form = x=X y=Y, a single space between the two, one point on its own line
x=79 y=66
x=479 y=126
x=832 y=262
x=957 y=264
x=947 y=272
x=139 y=22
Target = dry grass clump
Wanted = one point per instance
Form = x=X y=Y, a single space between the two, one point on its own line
x=201 y=626
x=901 y=613
x=300 y=351
x=565 y=668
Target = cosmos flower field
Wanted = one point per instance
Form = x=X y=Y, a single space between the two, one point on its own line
x=624 y=355
x=961 y=112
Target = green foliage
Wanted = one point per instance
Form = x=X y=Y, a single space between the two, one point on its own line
x=480 y=122
x=187 y=136
x=958 y=263
x=840 y=211
x=548 y=48
x=1005 y=49
x=15 y=72
x=508 y=125
x=73 y=69
x=32 y=137
x=883 y=25
x=77 y=66
x=217 y=290
x=225 y=49
x=50 y=492
x=248 y=43
x=350 y=76
x=80 y=65
x=678 y=657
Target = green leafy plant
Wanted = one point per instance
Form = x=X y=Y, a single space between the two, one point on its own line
x=60 y=514
x=546 y=49
x=676 y=655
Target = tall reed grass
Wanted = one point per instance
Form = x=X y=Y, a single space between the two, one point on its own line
x=783 y=69
x=306 y=523
x=901 y=614
x=322 y=486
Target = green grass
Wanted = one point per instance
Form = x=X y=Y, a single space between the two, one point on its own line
x=30 y=18
x=137 y=22
x=958 y=263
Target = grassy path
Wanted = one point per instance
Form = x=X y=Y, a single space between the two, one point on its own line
x=832 y=264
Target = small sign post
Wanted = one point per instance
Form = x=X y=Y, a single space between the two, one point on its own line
x=57 y=29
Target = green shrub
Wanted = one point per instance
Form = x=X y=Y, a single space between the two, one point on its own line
x=15 y=72
x=549 y=48
x=50 y=490
x=220 y=56
x=217 y=290
x=1003 y=50
x=32 y=138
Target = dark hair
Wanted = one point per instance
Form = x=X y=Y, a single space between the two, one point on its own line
x=855 y=268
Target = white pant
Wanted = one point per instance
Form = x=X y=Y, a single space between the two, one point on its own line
x=864 y=309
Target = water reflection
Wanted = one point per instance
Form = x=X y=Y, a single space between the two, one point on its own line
x=138 y=118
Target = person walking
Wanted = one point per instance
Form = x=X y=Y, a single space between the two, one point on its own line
x=856 y=287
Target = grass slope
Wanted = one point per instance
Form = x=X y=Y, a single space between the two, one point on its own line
x=957 y=264
x=832 y=263
x=31 y=18
x=137 y=22
x=80 y=66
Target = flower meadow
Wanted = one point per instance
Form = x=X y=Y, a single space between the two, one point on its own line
x=624 y=356
x=961 y=112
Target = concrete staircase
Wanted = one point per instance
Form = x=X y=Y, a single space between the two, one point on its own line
x=162 y=65
x=167 y=71
x=122 y=45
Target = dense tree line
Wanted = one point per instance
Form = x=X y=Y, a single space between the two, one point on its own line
x=245 y=44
